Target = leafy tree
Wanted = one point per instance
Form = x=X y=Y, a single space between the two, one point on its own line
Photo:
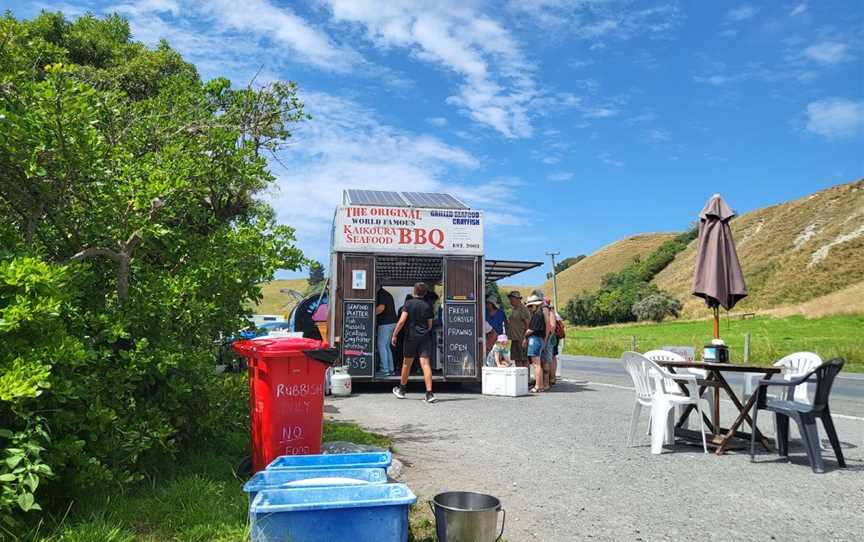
x=132 y=237
x=316 y=273
x=657 y=307
x=567 y=262
x=619 y=292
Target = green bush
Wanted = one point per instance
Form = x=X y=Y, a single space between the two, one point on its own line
x=620 y=292
x=657 y=307
x=133 y=237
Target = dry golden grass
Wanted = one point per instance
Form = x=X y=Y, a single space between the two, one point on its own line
x=586 y=274
x=274 y=301
x=846 y=301
x=778 y=248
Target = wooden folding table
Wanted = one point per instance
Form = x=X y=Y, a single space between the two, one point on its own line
x=720 y=437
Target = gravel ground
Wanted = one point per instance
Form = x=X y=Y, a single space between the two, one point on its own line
x=559 y=464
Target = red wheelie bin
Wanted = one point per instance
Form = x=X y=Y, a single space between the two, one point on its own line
x=286 y=397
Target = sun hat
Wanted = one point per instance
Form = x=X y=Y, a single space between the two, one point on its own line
x=515 y=294
x=534 y=300
x=502 y=338
x=492 y=299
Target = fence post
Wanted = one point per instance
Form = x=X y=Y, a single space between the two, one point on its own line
x=746 y=348
x=633 y=343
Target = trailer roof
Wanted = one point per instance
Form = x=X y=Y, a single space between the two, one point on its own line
x=501 y=269
x=383 y=198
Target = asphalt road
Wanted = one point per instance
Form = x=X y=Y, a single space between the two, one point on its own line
x=847 y=394
x=559 y=463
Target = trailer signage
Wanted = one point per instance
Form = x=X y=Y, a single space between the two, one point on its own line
x=359 y=228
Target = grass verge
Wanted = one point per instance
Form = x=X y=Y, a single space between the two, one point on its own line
x=771 y=338
x=199 y=500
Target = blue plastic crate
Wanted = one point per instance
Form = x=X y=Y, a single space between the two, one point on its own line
x=286 y=478
x=364 y=513
x=379 y=460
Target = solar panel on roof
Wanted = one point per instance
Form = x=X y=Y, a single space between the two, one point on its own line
x=376 y=197
x=431 y=200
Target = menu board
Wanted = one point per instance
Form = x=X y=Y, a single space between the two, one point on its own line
x=460 y=339
x=358 y=334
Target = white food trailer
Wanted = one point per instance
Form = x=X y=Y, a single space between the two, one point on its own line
x=396 y=239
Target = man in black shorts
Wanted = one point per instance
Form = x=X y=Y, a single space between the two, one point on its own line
x=416 y=318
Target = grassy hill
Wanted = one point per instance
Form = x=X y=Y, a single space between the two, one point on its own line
x=806 y=253
x=274 y=301
x=586 y=274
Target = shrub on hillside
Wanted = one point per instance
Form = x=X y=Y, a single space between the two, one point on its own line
x=657 y=307
x=619 y=292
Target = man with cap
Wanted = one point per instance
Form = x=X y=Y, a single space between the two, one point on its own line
x=494 y=315
x=517 y=323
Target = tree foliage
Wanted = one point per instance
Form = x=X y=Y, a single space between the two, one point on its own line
x=132 y=236
x=567 y=262
x=620 y=292
x=657 y=307
x=316 y=273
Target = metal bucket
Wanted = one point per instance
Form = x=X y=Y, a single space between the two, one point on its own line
x=463 y=516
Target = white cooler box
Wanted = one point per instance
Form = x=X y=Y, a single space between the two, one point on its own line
x=508 y=381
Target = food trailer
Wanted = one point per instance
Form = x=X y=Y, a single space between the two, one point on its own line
x=395 y=239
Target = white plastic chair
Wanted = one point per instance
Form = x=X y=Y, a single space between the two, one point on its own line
x=665 y=355
x=662 y=399
x=793 y=365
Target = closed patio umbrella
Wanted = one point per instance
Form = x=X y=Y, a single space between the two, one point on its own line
x=718 y=278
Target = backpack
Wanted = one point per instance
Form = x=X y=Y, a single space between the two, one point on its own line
x=559 y=329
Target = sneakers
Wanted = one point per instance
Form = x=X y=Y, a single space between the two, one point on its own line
x=399 y=392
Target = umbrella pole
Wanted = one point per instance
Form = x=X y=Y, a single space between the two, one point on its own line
x=716 y=322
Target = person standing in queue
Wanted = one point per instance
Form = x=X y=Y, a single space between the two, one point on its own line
x=494 y=315
x=385 y=312
x=535 y=341
x=416 y=318
x=517 y=323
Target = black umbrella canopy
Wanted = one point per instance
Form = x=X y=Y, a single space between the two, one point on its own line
x=718 y=278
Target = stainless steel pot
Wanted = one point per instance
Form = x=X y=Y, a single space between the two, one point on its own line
x=463 y=516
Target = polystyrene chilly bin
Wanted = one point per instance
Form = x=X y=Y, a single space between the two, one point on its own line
x=379 y=460
x=286 y=397
x=364 y=513
x=507 y=381
x=287 y=478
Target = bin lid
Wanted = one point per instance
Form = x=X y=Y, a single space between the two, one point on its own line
x=300 y=499
x=277 y=345
x=273 y=479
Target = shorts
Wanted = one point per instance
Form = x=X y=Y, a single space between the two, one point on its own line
x=517 y=353
x=557 y=344
x=535 y=346
x=418 y=347
x=548 y=349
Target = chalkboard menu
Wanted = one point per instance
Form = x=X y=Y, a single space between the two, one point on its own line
x=357 y=337
x=460 y=339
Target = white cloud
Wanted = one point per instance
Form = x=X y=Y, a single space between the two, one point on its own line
x=437 y=121
x=741 y=13
x=607 y=158
x=657 y=135
x=799 y=9
x=827 y=52
x=347 y=146
x=835 y=118
x=224 y=19
x=497 y=81
x=598 y=19
x=560 y=176
x=600 y=112
x=265 y=19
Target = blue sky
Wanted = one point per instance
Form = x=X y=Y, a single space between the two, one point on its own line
x=573 y=123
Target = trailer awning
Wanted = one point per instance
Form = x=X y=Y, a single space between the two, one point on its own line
x=501 y=269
